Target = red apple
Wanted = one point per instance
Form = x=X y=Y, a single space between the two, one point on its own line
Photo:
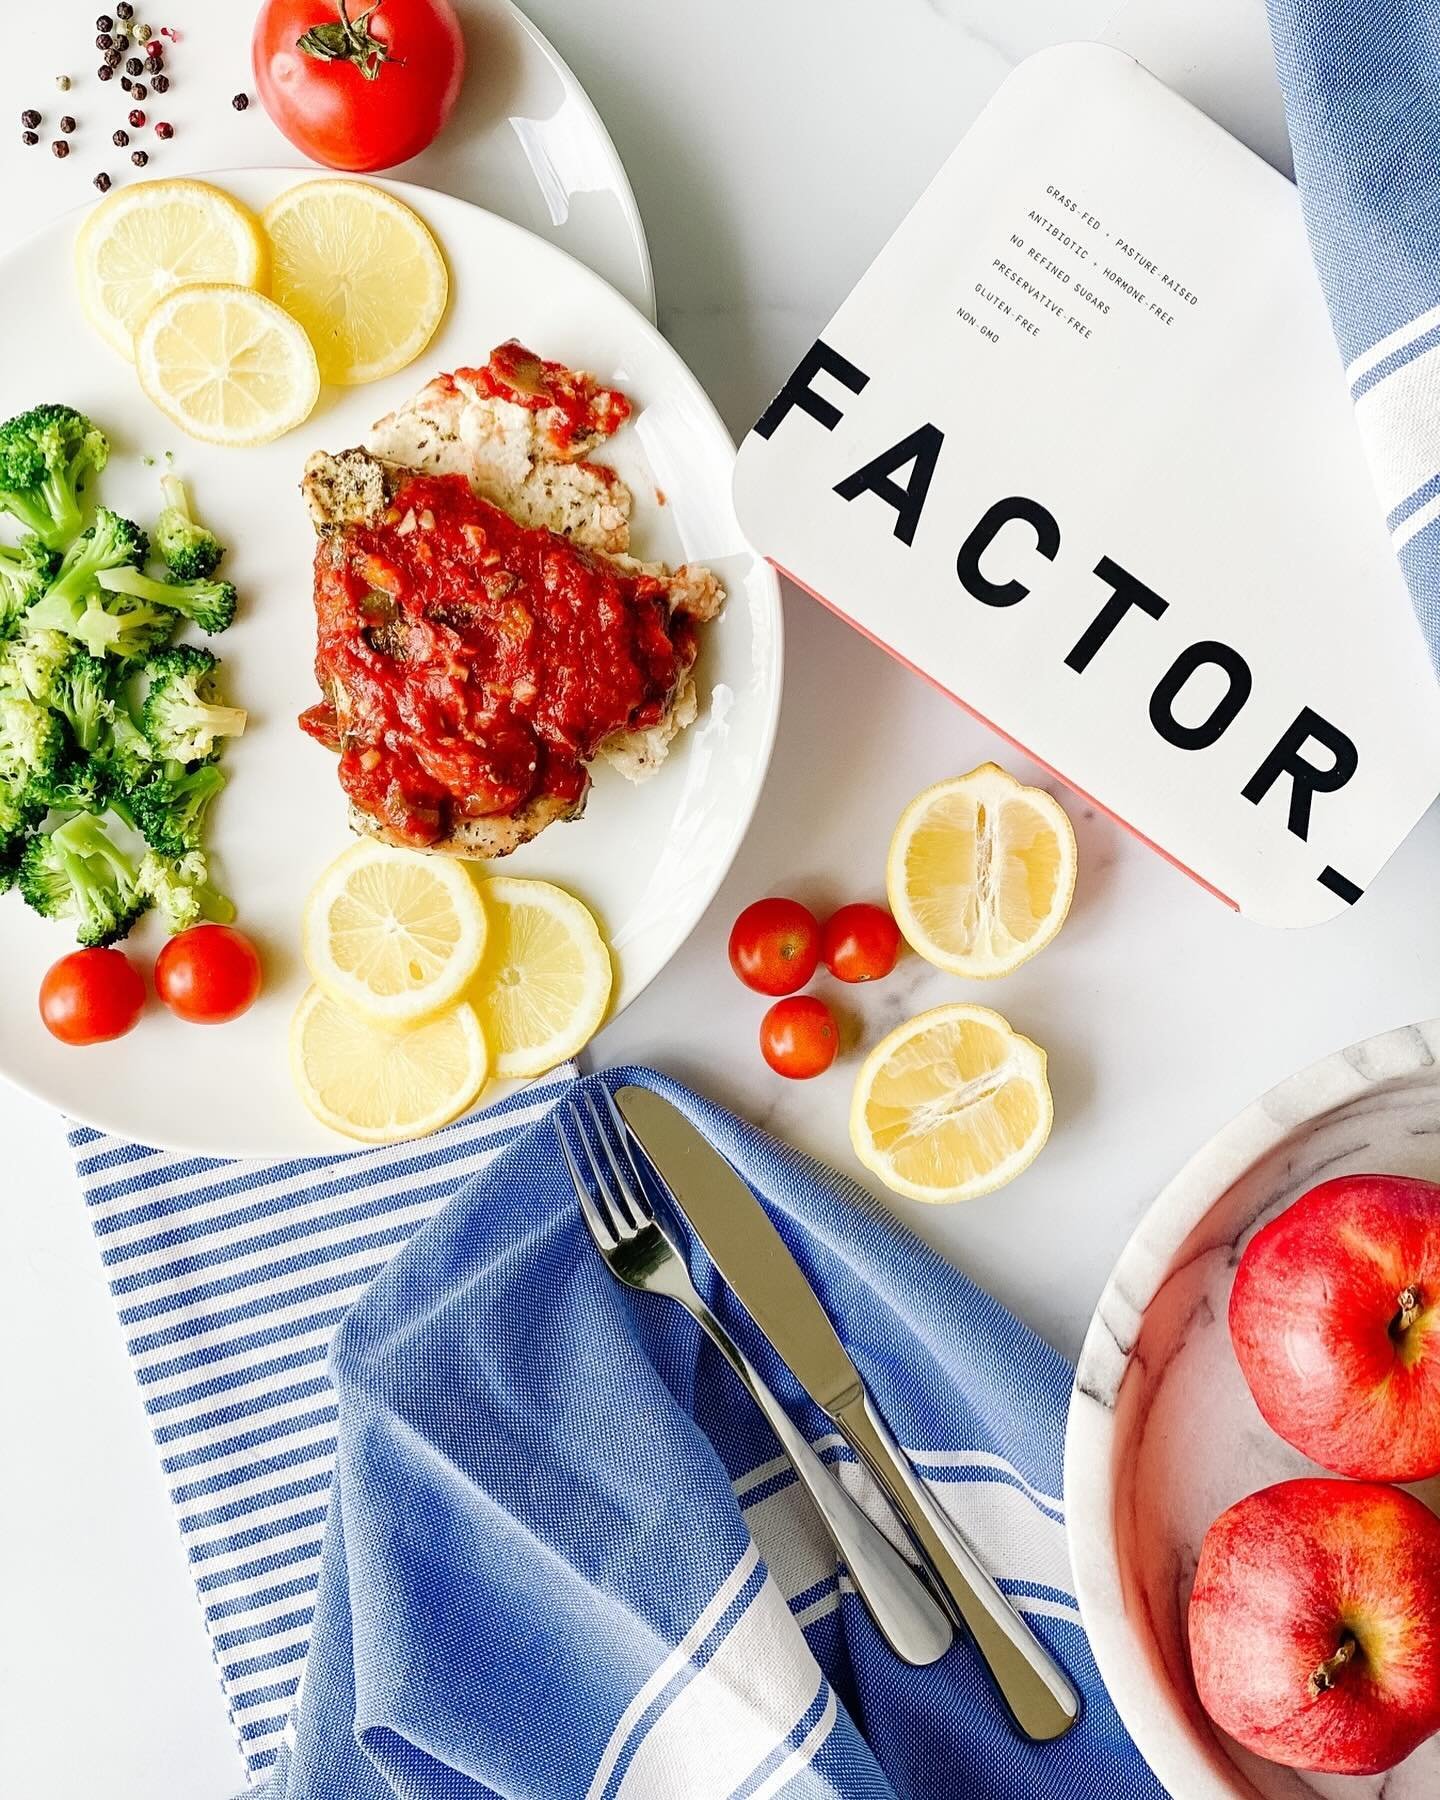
x=1315 y=1625
x=1335 y=1317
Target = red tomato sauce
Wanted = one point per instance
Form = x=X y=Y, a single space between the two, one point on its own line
x=582 y=408
x=482 y=663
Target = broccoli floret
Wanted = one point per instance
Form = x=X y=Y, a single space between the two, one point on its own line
x=170 y=810
x=80 y=783
x=25 y=572
x=110 y=543
x=45 y=455
x=19 y=814
x=77 y=872
x=180 y=887
x=32 y=744
x=211 y=604
x=129 y=761
x=80 y=693
x=191 y=552
x=28 y=663
x=126 y=633
x=182 y=716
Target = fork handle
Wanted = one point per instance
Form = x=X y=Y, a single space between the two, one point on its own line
x=910 y=1619
x=1035 y=1690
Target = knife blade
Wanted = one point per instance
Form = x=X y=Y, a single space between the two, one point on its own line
x=762 y=1274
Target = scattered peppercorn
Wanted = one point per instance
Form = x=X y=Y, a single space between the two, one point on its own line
x=30 y=118
x=113 y=59
x=139 y=158
x=154 y=49
x=67 y=125
x=60 y=148
x=160 y=83
x=125 y=11
x=102 y=181
x=240 y=102
x=137 y=118
x=163 y=130
x=104 y=23
x=104 y=41
x=63 y=83
x=30 y=137
x=144 y=33
x=120 y=42
x=134 y=66
x=105 y=72
x=139 y=90
x=126 y=83
x=120 y=139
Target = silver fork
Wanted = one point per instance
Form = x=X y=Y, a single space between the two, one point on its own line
x=639 y=1251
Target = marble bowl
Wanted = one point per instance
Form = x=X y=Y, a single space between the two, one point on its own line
x=1163 y=1434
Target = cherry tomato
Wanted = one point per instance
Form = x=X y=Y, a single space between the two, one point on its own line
x=775 y=946
x=91 y=996
x=208 y=975
x=799 y=1037
x=356 y=88
x=860 y=943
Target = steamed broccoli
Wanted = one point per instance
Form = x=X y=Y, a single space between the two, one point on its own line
x=110 y=543
x=170 y=810
x=191 y=552
x=181 y=889
x=211 y=604
x=78 y=872
x=45 y=455
x=128 y=760
x=19 y=814
x=28 y=663
x=182 y=716
x=25 y=571
x=32 y=744
x=126 y=633
x=80 y=693
x=79 y=783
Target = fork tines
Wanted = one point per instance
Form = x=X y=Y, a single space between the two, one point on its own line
x=612 y=1194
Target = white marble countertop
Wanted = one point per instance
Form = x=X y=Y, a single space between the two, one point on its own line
x=772 y=149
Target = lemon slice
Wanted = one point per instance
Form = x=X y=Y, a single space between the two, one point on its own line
x=380 y=1085
x=361 y=272
x=227 y=365
x=544 y=985
x=393 y=934
x=950 y=1105
x=145 y=241
x=981 y=872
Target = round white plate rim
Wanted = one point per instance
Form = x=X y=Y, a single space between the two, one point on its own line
x=1141 y=1270
x=97 y=1116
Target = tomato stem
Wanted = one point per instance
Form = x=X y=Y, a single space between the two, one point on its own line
x=1327 y=1675
x=349 y=40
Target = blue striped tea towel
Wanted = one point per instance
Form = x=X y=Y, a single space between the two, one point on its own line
x=229 y=1279
x=1362 y=98
x=566 y=1563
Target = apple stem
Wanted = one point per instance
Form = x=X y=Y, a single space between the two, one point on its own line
x=1407 y=1311
x=1324 y=1677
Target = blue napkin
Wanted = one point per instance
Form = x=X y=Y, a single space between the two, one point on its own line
x=1362 y=97
x=565 y=1561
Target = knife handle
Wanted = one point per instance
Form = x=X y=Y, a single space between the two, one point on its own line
x=912 y=1622
x=1036 y=1691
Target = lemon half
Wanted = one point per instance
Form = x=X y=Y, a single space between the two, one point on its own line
x=394 y=934
x=544 y=986
x=380 y=1085
x=143 y=242
x=950 y=1105
x=361 y=272
x=981 y=872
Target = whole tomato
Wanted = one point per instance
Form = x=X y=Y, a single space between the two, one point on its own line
x=799 y=1037
x=775 y=946
x=208 y=975
x=860 y=943
x=91 y=996
x=359 y=91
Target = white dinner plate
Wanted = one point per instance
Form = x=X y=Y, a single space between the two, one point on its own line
x=647 y=859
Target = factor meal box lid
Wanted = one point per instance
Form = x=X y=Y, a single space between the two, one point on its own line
x=1079 y=449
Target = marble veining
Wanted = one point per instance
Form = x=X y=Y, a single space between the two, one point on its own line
x=1163 y=1433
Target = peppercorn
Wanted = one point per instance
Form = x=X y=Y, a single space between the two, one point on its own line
x=134 y=66
x=113 y=60
x=60 y=148
x=63 y=83
x=162 y=130
x=160 y=83
x=104 y=23
x=155 y=49
x=29 y=118
x=102 y=181
x=144 y=33
x=105 y=72
x=137 y=118
x=240 y=102
x=126 y=83
x=30 y=137
x=125 y=11
x=104 y=41
x=120 y=139
x=67 y=125
x=120 y=41
x=139 y=158
x=138 y=91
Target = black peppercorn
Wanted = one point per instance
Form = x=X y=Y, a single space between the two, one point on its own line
x=30 y=137
x=120 y=139
x=125 y=11
x=138 y=91
x=126 y=83
x=160 y=83
x=104 y=41
x=102 y=181
x=30 y=118
x=120 y=42
x=240 y=102
x=104 y=23
x=139 y=158
x=105 y=72
x=60 y=147
x=67 y=125
x=134 y=66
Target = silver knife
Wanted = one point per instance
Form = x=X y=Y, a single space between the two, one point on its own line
x=748 y=1251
